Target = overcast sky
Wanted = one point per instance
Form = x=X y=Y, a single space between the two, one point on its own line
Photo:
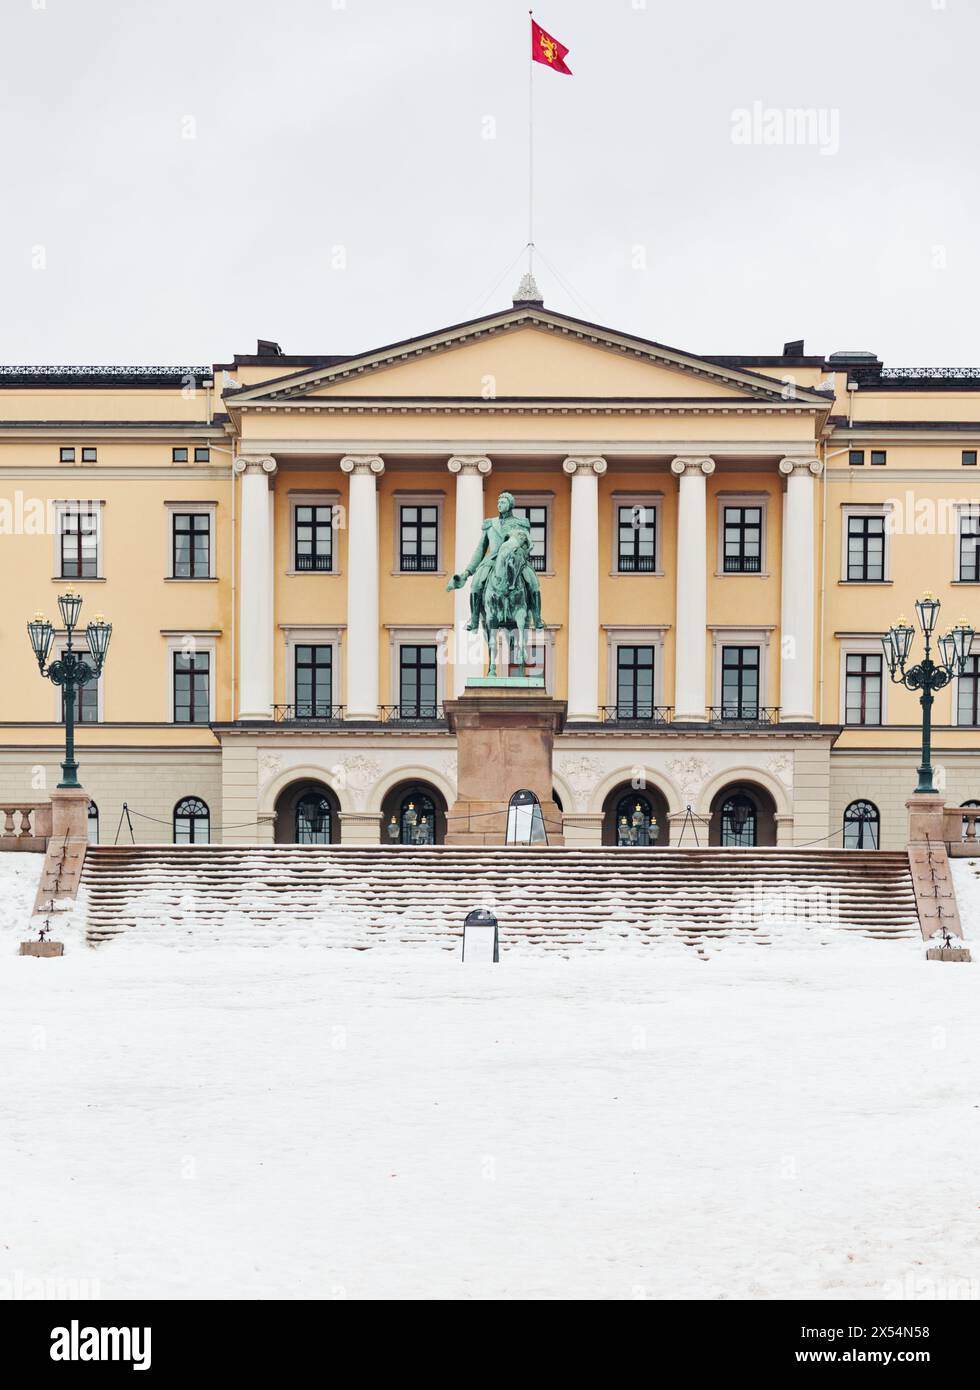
x=180 y=177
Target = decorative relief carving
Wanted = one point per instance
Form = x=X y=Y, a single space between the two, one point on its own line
x=581 y=773
x=690 y=773
x=269 y=765
x=357 y=772
x=781 y=766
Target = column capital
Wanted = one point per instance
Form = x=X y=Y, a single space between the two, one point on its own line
x=255 y=463
x=585 y=465
x=470 y=464
x=362 y=463
x=801 y=465
x=680 y=466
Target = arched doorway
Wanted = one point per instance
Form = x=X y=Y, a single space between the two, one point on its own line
x=635 y=819
x=307 y=813
x=743 y=816
x=413 y=813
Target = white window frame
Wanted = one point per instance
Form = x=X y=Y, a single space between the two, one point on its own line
x=962 y=511
x=725 y=636
x=880 y=509
x=317 y=635
x=538 y=499
x=318 y=498
x=203 y=642
x=198 y=508
x=439 y=636
x=419 y=499
x=58 y=647
x=743 y=499
x=869 y=645
x=63 y=508
x=651 y=501
x=618 y=635
x=954 y=715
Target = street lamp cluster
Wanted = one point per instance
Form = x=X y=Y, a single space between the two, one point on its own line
x=72 y=669
x=955 y=648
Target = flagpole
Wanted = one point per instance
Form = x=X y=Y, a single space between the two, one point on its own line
x=530 y=157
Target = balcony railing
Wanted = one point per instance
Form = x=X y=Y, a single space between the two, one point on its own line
x=411 y=714
x=309 y=712
x=745 y=716
x=635 y=714
x=742 y=564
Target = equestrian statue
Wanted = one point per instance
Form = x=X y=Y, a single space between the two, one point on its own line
x=505 y=592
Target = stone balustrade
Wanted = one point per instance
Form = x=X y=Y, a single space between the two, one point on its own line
x=25 y=826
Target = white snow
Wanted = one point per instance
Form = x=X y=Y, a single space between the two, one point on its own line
x=286 y=1123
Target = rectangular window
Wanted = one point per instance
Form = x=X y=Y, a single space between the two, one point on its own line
x=969 y=458
x=418 y=542
x=538 y=517
x=865 y=548
x=191 y=545
x=855 y=457
x=79 y=543
x=743 y=540
x=179 y=455
x=313 y=538
x=86 y=703
x=417 y=684
x=862 y=691
x=66 y=455
x=202 y=455
x=878 y=457
x=634 y=682
x=740 y=682
x=192 y=687
x=314 y=682
x=636 y=545
x=968 y=693
x=970 y=546
x=89 y=455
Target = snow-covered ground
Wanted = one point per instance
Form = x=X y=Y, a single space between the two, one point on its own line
x=277 y=1123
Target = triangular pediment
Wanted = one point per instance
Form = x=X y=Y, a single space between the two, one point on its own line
x=523 y=354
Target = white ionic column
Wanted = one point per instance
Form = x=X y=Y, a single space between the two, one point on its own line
x=470 y=470
x=255 y=589
x=690 y=635
x=363 y=614
x=796 y=702
x=583 y=588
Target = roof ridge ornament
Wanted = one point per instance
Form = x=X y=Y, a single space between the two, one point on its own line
x=528 y=292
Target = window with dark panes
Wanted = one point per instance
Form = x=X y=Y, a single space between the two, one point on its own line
x=634 y=682
x=740 y=682
x=743 y=540
x=202 y=455
x=855 y=457
x=79 y=543
x=313 y=537
x=192 y=687
x=419 y=538
x=968 y=692
x=865 y=548
x=417 y=683
x=970 y=546
x=86 y=703
x=878 y=458
x=636 y=548
x=179 y=455
x=192 y=545
x=538 y=518
x=862 y=689
x=313 y=672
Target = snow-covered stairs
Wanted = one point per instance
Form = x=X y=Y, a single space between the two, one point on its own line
x=555 y=898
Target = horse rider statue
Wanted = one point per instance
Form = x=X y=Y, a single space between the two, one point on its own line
x=505 y=592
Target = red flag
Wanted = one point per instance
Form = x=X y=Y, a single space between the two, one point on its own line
x=545 y=49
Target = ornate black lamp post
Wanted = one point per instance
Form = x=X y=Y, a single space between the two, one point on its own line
x=928 y=676
x=72 y=669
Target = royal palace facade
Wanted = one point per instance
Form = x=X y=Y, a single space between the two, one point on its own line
x=720 y=542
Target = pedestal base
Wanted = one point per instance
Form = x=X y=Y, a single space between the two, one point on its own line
x=505 y=742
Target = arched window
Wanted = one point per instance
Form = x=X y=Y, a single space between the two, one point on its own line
x=415 y=823
x=525 y=823
x=862 y=825
x=739 y=825
x=636 y=824
x=93 y=823
x=192 y=822
x=313 y=817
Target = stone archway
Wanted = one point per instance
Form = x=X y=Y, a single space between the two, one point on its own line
x=623 y=801
x=307 y=812
x=413 y=812
x=743 y=816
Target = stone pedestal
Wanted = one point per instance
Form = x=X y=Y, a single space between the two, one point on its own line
x=932 y=880
x=505 y=741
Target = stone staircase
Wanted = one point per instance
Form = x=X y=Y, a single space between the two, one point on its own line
x=554 y=898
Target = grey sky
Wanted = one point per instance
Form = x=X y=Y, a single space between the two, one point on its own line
x=360 y=124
